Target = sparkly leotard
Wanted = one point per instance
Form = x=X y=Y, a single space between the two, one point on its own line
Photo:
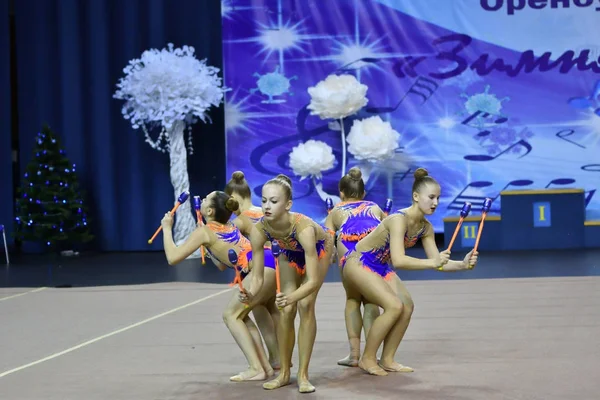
x=289 y=244
x=360 y=221
x=374 y=250
x=230 y=233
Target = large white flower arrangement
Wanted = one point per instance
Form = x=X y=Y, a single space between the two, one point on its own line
x=337 y=97
x=372 y=139
x=311 y=159
x=171 y=89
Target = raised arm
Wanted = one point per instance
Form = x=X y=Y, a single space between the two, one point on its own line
x=175 y=254
x=396 y=225
x=308 y=241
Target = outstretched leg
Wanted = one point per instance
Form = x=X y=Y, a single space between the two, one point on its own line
x=375 y=290
x=394 y=337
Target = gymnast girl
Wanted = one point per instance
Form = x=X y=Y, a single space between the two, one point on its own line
x=266 y=316
x=218 y=236
x=368 y=274
x=353 y=219
x=306 y=251
x=248 y=214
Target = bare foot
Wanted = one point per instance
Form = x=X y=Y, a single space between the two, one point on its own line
x=395 y=367
x=371 y=368
x=249 y=375
x=278 y=382
x=349 y=361
x=304 y=386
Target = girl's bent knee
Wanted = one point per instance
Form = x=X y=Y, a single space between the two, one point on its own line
x=394 y=308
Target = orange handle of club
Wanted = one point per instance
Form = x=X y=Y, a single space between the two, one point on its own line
x=199 y=217
x=479 y=232
x=160 y=227
x=456 y=230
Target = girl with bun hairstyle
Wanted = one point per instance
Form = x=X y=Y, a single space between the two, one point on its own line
x=306 y=250
x=248 y=214
x=267 y=316
x=218 y=236
x=353 y=219
x=367 y=272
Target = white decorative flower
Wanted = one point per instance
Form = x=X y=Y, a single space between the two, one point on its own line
x=311 y=158
x=338 y=96
x=372 y=139
x=168 y=85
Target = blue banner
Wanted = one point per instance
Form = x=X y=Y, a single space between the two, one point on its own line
x=488 y=95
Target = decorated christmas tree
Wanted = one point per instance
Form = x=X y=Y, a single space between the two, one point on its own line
x=50 y=206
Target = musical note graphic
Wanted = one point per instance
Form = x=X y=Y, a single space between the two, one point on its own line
x=411 y=62
x=366 y=60
x=588 y=196
x=569 y=181
x=591 y=168
x=560 y=182
x=566 y=133
x=402 y=175
x=517 y=183
x=484 y=157
x=472 y=194
x=422 y=87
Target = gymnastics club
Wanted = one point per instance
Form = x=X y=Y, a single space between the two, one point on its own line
x=233 y=259
x=329 y=204
x=276 y=250
x=197 y=203
x=463 y=214
x=487 y=204
x=388 y=207
x=182 y=199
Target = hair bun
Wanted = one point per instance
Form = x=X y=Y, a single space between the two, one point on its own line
x=284 y=178
x=420 y=173
x=238 y=177
x=355 y=173
x=231 y=204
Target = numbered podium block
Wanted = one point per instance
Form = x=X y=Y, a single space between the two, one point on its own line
x=491 y=237
x=592 y=233
x=543 y=219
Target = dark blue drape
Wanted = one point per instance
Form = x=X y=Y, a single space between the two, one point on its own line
x=6 y=179
x=70 y=56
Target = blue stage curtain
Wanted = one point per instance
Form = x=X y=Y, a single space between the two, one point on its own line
x=70 y=57
x=6 y=178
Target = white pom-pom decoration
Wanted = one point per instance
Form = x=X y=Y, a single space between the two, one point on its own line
x=372 y=139
x=311 y=159
x=338 y=96
x=166 y=86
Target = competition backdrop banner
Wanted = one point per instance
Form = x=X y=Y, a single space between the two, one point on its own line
x=488 y=95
